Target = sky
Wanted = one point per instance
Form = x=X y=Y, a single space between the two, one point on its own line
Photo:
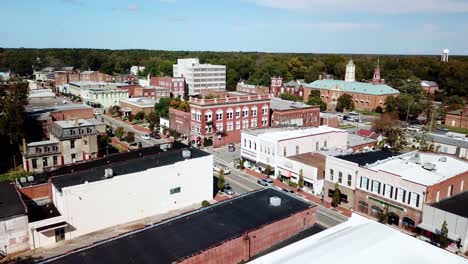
x=302 y=26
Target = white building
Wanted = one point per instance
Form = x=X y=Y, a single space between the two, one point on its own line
x=200 y=76
x=131 y=187
x=360 y=241
x=13 y=221
x=102 y=93
x=350 y=75
x=268 y=146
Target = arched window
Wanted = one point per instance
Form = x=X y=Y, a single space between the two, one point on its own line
x=238 y=111
x=208 y=116
x=245 y=111
x=198 y=115
x=376 y=211
x=363 y=207
x=219 y=114
x=194 y=115
x=254 y=111
x=408 y=224
x=229 y=113
x=264 y=109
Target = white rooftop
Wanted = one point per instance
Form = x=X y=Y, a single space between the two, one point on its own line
x=406 y=166
x=73 y=123
x=280 y=104
x=360 y=241
x=140 y=101
x=42 y=143
x=282 y=133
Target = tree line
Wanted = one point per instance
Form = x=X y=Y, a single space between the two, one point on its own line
x=253 y=67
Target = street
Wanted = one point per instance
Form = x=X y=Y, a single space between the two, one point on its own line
x=115 y=123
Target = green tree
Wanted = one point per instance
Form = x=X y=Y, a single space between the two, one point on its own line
x=345 y=102
x=140 y=115
x=221 y=182
x=13 y=100
x=162 y=107
x=336 y=198
x=454 y=102
x=290 y=97
x=443 y=239
x=153 y=119
x=317 y=101
x=119 y=132
x=130 y=138
x=175 y=135
x=301 y=179
x=268 y=170
x=205 y=203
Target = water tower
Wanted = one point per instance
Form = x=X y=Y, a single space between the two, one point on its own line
x=445 y=54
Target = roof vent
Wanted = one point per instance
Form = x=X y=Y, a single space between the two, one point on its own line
x=108 y=173
x=429 y=166
x=275 y=201
x=416 y=158
x=186 y=154
x=30 y=178
x=23 y=180
x=443 y=159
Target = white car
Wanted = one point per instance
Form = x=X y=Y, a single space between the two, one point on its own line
x=146 y=137
x=413 y=128
x=217 y=168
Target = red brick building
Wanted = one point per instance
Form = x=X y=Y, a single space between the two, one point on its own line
x=277 y=87
x=179 y=121
x=331 y=120
x=176 y=85
x=148 y=91
x=288 y=113
x=64 y=77
x=429 y=87
x=220 y=120
x=457 y=118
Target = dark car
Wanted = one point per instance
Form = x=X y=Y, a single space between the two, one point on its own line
x=442 y=129
x=231 y=148
x=265 y=182
x=288 y=191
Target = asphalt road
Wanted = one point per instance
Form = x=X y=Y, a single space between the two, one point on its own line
x=115 y=123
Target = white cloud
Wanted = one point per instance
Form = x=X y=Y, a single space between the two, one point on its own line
x=365 y=6
x=133 y=8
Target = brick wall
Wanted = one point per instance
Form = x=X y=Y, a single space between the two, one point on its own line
x=70 y=114
x=135 y=109
x=252 y=243
x=310 y=116
x=329 y=121
x=179 y=121
x=456 y=184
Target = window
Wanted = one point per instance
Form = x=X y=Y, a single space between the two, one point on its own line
x=72 y=144
x=229 y=114
x=264 y=110
x=254 y=111
x=340 y=177
x=317 y=146
x=229 y=126
x=264 y=121
x=245 y=112
x=238 y=112
x=255 y=146
x=219 y=127
x=401 y=195
x=34 y=163
x=219 y=115
x=388 y=191
x=450 y=191
x=349 y=179
x=284 y=151
x=175 y=190
x=363 y=207
x=331 y=174
x=245 y=143
x=254 y=123
x=44 y=162
x=375 y=186
x=73 y=156
x=208 y=116
x=297 y=149
x=238 y=125
x=208 y=129
x=364 y=183
x=59 y=234
x=250 y=144
x=245 y=123
x=198 y=116
x=55 y=160
x=414 y=199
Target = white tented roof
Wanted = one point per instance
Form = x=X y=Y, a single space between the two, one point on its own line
x=412 y=169
x=360 y=241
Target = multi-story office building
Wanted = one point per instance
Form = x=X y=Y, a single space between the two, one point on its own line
x=200 y=76
x=220 y=120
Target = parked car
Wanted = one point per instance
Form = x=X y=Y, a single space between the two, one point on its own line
x=228 y=189
x=218 y=167
x=155 y=135
x=288 y=191
x=146 y=137
x=265 y=182
x=443 y=129
x=413 y=129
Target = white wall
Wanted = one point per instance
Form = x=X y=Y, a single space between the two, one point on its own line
x=343 y=166
x=14 y=234
x=308 y=172
x=44 y=239
x=97 y=205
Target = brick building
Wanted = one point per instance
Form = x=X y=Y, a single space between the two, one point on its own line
x=135 y=105
x=221 y=120
x=64 y=77
x=176 y=85
x=277 y=87
x=289 y=113
x=179 y=121
x=233 y=231
x=429 y=86
x=457 y=118
x=331 y=120
x=152 y=92
x=250 y=88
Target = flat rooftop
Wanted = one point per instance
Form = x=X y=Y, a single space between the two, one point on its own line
x=282 y=133
x=370 y=157
x=121 y=164
x=408 y=168
x=443 y=139
x=141 y=102
x=356 y=140
x=192 y=233
x=10 y=201
x=72 y=123
x=280 y=104
x=42 y=105
x=457 y=204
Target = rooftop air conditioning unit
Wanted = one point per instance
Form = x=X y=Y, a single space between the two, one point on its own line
x=108 y=173
x=186 y=154
x=30 y=178
x=443 y=159
x=429 y=166
x=275 y=201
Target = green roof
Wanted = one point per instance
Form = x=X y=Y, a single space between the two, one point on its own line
x=353 y=87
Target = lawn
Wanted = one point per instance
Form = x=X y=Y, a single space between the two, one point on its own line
x=346 y=126
x=367 y=112
x=458 y=130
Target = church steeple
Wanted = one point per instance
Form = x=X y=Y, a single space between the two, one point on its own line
x=376 y=79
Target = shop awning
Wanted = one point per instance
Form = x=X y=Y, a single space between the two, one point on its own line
x=261 y=164
x=286 y=174
x=436 y=230
x=51 y=227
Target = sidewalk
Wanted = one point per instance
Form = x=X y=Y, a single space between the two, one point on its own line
x=308 y=196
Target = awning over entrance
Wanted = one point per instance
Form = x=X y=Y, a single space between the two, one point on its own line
x=51 y=227
x=261 y=164
x=436 y=230
x=286 y=174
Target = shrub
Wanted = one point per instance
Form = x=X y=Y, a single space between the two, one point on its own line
x=205 y=203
